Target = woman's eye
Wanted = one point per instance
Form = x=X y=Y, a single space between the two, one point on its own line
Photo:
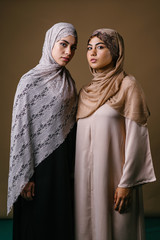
x=73 y=48
x=63 y=44
x=89 y=48
x=100 y=47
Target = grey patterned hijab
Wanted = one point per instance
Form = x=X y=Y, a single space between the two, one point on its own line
x=43 y=113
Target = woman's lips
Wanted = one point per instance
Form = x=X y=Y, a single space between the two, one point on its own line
x=65 y=59
x=93 y=60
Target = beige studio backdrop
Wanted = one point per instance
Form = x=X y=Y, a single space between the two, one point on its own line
x=23 y=26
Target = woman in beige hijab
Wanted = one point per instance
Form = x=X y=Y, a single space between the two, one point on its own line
x=113 y=157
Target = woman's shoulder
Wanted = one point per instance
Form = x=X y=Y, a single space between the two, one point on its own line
x=28 y=81
x=129 y=83
x=25 y=87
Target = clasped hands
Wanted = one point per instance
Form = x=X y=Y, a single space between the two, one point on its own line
x=122 y=199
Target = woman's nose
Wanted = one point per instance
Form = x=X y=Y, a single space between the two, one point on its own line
x=93 y=52
x=68 y=50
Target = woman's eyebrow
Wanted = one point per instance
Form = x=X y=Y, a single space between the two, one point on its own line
x=68 y=42
x=100 y=43
x=65 y=41
x=96 y=43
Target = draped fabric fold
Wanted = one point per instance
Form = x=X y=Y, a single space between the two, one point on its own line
x=114 y=87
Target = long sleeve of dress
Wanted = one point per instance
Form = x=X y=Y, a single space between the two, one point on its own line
x=138 y=166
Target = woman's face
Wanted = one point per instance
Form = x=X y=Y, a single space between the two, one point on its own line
x=64 y=50
x=98 y=55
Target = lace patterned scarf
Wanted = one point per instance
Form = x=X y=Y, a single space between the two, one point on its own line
x=44 y=112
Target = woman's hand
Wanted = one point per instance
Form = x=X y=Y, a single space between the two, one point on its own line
x=122 y=199
x=28 y=191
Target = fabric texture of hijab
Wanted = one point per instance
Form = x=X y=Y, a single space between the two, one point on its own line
x=114 y=87
x=44 y=112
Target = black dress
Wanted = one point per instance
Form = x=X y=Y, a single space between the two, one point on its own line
x=50 y=215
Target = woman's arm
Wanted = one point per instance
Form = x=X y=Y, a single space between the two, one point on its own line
x=122 y=199
x=137 y=168
x=28 y=191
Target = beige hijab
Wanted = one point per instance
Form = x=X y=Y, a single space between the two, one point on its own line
x=114 y=87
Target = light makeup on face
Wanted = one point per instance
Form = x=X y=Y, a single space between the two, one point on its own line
x=98 y=55
x=99 y=45
x=64 y=49
x=65 y=43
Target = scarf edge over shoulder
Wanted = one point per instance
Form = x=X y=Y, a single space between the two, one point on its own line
x=121 y=91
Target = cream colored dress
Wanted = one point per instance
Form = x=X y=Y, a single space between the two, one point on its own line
x=111 y=151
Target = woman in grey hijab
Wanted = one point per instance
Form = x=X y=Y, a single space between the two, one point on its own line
x=40 y=185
